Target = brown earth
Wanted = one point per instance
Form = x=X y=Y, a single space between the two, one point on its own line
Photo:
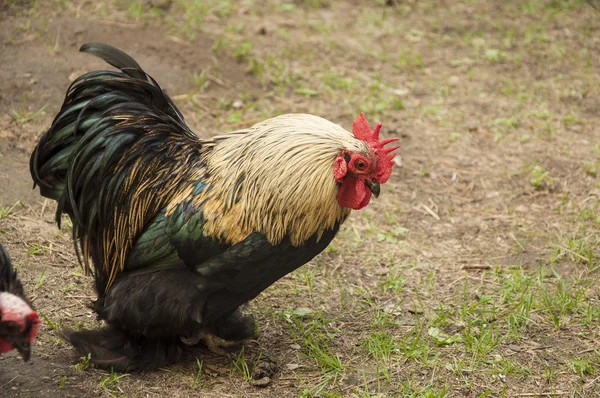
x=479 y=92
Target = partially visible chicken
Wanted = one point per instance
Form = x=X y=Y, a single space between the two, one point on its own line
x=18 y=321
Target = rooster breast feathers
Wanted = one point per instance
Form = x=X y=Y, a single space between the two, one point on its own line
x=145 y=193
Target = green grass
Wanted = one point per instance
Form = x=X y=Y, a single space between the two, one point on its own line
x=310 y=330
x=35 y=249
x=578 y=249
x=380 y=345
x=51 y=325
x=5 y=211
x=540 y=177
x=110 y=383
x=409 y=60
x=241 y=366
x=198 y=374
x=62 y=380
x=393 y=282
x=41 y=279
x=84 y=363
x=583 y=368
x=24 y=115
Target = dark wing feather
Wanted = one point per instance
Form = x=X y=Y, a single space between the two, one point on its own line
x=176 y=239
x=9 y=281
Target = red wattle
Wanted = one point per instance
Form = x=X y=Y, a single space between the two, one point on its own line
x=5 y=346
x=353 y=193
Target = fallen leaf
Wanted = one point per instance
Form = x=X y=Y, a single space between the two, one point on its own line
x=441 y=337
x=302 y=312
x=400 y=230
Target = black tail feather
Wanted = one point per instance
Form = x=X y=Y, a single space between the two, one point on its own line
x=115 y=57
x=110 y=347
x=129 y=66
x=89 y=159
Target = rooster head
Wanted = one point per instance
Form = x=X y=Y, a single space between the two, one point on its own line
x=360 y=174
x=18 y=325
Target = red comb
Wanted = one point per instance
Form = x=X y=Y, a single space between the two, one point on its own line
x=385 y=156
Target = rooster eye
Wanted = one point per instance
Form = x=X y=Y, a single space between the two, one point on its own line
x=360 y=165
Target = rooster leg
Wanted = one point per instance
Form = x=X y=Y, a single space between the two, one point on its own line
x=227 y=335
x=215 y=344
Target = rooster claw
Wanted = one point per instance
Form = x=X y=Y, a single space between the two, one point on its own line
x=192 y=340
x=215 y=344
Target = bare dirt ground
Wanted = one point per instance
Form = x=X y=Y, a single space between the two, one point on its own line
x=474 y=274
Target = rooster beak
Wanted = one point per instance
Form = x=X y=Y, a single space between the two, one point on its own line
x=374 y=187
x=24 y=349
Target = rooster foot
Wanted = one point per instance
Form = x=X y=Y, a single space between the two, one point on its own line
x=220 y=346
x=215 y=344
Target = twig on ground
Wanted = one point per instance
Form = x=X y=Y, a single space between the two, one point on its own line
x=476 y=266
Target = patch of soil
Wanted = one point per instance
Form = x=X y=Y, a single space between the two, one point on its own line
x=482 y=92
x=40 y=378
x=15 y=179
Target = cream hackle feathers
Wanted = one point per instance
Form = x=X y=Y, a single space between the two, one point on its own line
x=275 y=178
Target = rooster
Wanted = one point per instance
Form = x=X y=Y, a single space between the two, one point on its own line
x=18 y=321
x=179 y=232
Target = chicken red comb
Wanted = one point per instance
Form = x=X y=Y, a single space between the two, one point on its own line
x=385 y=156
